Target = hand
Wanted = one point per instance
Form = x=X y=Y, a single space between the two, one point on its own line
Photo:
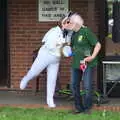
x=88 y=59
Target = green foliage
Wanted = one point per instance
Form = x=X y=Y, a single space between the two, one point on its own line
x=109 y=35
x=10 y=113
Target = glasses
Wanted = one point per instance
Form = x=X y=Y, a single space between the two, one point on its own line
x=68 y=22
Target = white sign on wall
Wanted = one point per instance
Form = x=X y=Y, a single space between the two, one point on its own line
x=52 y=10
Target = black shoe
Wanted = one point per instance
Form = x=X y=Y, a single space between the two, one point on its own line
x=87 y=111
x=77 y=112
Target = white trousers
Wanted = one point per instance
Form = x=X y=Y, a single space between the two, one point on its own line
x=45 y=60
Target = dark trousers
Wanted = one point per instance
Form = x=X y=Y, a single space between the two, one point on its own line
x=77 y=76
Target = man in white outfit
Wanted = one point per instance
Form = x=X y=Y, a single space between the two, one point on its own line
x=49 y=57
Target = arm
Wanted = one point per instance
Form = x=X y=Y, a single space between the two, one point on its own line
x=94 y=54
x=96 y=50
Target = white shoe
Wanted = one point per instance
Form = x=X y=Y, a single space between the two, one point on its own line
x=51 y=105
x=23 y=84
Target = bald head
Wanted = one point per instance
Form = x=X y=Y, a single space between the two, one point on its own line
x=77 y=19
x=76 y=22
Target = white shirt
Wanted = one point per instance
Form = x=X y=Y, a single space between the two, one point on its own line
x=53 y=40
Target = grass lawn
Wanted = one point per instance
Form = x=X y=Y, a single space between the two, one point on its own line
x=12 y=113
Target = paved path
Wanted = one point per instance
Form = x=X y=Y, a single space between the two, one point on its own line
x=13 y=97
x=31 y=100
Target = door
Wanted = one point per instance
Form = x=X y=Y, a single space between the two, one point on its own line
x=3 y=42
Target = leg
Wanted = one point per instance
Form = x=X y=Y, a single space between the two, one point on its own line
x=38 y=66
x=87 y=84
x=52 y=71
x=75 y=85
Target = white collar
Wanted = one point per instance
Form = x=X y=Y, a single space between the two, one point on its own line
x=59 y=29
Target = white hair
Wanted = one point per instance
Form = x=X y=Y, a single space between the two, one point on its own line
x=76 y=18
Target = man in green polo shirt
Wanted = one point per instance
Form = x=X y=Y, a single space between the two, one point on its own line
x=85 y=47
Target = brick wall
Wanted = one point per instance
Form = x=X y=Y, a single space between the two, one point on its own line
x=25 y=34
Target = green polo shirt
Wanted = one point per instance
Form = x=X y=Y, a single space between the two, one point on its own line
x=83 y=43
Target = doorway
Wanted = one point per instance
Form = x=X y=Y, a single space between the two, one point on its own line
x=3 y=43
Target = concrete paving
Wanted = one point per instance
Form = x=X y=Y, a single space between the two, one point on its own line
x=13 y=97
x=38 y=100
x=18 y=97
